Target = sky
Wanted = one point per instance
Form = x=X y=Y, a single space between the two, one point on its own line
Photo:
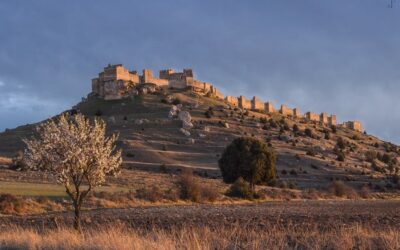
x=335 y=56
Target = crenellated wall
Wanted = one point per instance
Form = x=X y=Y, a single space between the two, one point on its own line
x=269 y=107
x=244 y=103
x=286 y=111
x=115 y=82
x=232 y=100
x=257 y=104
x=354 y=125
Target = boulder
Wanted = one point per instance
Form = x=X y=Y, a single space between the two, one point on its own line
x=206 y=129
x=187 y=125
x=185 y=132
x=138 y=122
x=173 y=112
x=185 y=116
x=191 y=141
x=226 y=125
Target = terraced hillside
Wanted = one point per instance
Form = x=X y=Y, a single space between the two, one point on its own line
x=310 y=155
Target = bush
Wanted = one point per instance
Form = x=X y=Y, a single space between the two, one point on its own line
x=310 y=152
x=209 y=113
x=240 y=189
x=152 y=194
x=176 y=101
x=341 y=144
x=308 y=132
x=191 y=189
x=334 y=129
x=296 y=128
x=18 y=161
x=327 y=135
x=273 y=123
x=340 y=156
x=339 y=189
x=370 y=156
x=250 y=159
x=10 y=204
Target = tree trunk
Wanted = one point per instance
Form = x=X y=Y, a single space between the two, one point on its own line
x=77 y=218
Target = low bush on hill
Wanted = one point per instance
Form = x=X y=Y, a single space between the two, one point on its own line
x=240 y=189
x=340 y=189
x=191 y=189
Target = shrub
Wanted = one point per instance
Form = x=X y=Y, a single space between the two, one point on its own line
x=250 y=159
x=18 y=161
x=308 y=132
x=273 y=123
x=340 y=156
x=310 y=152
x=334 y=129
x=327 y=135
x=240 y=189
x=191 y=189
x=209 y=113
x=286 y=127
x=209 y=193
x=10 y=204
x=341 y=144
x=163 y=168
x=370 y=156
x=263 y=120
x=295 y=128
x=339 y=189
x=152 y=194
x=365 y=193
x=293 y=172
x=176 y=101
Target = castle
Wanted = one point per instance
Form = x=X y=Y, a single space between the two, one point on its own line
x=117 y=82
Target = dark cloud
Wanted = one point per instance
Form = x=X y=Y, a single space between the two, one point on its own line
x=336 y=56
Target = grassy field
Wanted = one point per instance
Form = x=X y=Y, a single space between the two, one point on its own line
x=118 y=237
x=42 y=189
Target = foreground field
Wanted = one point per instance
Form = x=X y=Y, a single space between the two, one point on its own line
x=301 y=214
x=273 y=225
x=277 y=237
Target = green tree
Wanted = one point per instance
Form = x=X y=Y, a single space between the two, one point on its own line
x=250 y=159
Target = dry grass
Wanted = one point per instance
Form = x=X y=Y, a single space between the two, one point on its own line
x=277 y=237
x=10 y=204
x=5 y=161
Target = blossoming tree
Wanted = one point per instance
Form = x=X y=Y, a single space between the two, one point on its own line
x=77 y=152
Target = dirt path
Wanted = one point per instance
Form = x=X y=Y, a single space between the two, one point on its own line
x=299 y=214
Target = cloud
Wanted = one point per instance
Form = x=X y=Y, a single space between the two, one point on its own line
x=2 y=83
x=335 y=56
x=22 y=108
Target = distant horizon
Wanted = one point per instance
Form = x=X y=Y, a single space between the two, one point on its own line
x=337 y=57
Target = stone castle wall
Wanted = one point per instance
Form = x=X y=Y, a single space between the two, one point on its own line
x=354 y=125
x=116 y=82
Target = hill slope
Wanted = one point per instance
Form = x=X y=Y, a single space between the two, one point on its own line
x=307 y=151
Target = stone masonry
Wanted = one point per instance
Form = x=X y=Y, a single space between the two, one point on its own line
x=117 y=82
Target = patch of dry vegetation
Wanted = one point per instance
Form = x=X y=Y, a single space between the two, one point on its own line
x=275 y=237
x=10 y=204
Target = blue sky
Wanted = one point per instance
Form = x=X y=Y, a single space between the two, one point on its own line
x=338 y=56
